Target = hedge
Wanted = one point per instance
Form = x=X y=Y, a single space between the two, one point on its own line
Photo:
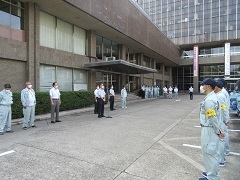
x=70 y=100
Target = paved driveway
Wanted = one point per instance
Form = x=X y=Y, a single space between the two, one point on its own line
x=153 y=139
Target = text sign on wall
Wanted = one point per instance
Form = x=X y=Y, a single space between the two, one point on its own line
x=195 y=61
x=227 y=59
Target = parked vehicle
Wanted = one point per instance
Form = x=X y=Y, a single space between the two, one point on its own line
x=235 y=98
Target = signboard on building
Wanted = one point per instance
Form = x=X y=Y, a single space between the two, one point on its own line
x=195 y=61
x=227 y=59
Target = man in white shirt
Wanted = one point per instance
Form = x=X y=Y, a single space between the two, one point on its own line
x=55 y=102
x=111 y=100
x=96 y=100
x=28 y=100
x=101 y=94
x=191 y=92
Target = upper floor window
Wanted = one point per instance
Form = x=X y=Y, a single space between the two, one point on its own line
x=12 y=14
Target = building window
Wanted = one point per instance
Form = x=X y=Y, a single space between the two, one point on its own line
x=12 y=14
x=68 y=79
x=55 y=33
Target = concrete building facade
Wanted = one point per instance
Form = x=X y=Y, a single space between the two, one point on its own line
x=46 y=41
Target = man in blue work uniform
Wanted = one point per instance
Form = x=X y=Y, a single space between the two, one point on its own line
x=6 y=101
x=211 y=132
x=124 y=97
x=101 y=94
x=224 y=119
x=28 y=100
x=111 y=100
x=224 y=91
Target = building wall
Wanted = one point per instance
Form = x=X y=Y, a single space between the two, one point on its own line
x=14 y=73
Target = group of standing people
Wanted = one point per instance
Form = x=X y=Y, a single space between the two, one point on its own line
x=214 y=120
x=28 y=100
x=150 y=92
x=168 y=92
x=100 y=99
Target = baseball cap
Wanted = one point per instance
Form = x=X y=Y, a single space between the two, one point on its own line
x=222 y=80
x=219 y=84
x=209 y=81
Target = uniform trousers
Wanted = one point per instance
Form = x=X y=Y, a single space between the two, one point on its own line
x=29 y=114
x=111 y=102
x=124 y=102
x=100 y=107
x=191 y=95
x=210 y=150
x=55 y=108
x=226 y=138
x=96 y=106
x=5 y=117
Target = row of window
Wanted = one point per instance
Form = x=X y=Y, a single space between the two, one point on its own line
x=67 y=78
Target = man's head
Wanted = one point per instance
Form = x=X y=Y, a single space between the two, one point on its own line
x=218 y=87
x=222 y=81
x=207 y=85
x=28 y=85
x=7 y=87
x=55 y=85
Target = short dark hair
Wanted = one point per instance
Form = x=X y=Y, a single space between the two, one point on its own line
x=7 y=86
x=54 y=83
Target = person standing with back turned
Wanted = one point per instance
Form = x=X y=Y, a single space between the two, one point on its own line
x=55 y=102
x=191 y=92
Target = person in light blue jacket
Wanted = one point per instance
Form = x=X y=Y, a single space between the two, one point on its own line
x=211 y=130
x=124 y=97
x=28 y=100
x=6 y=101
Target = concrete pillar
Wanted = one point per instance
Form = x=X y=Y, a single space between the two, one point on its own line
x=154 y=67
x=91 y=46
x=91 y=53
x=122 y=52
x=163 y=75
x=141 y=64
x=170 y=77
x=37 y=48
x=30 y=40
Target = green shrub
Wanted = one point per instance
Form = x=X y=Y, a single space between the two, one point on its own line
x=70 y=100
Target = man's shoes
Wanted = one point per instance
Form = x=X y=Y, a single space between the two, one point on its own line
x=52 y=121
x=33 y=126
x=1 y=133
x=25 y=128
x=221 y=164
x=204 y=178
x=204 y=174
x=114 y=109
x=122 y=107
x=125 y=106
x=58 y=121
x=111 y=109
x=11 y=131
x=99 y=116
x=95 y=112
x=103 y=116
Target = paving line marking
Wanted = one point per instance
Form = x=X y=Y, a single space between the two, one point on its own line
x=234 y=130
x=199 y=147
x=234 y=119
x=8 y=152
x=197 y=126
x=183 y=156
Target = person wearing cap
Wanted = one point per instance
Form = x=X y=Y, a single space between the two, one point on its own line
x=224 y=91
x=6 y=101
x=191 y=92
x=28 y=100
x=223 y=121
x=211 y=131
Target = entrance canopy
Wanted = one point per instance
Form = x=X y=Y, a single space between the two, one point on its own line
x=120 y=66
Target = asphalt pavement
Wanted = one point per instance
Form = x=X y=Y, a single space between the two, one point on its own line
x=155 y=139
